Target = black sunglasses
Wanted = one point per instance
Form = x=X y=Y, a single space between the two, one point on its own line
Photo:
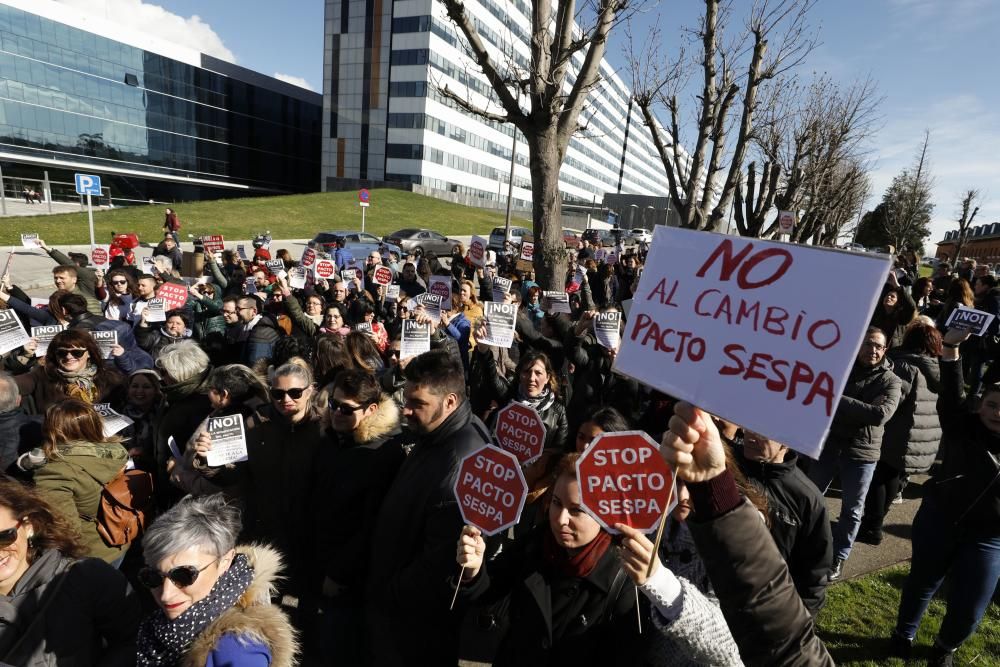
x=295 y=393
x=65 y=352
x=9 y=536
x=345 y=409
x=182 y=576
x=119 y=282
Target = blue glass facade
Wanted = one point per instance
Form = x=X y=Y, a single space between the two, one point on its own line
x=71 y=95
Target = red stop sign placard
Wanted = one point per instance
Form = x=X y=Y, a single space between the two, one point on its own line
x=490 y=490
x=325 y=268
x=520 y=431
x=99 y=256
x=477 y=251
x=383 y=275
x=623 y=479
x=173 y=295
x=308 y=257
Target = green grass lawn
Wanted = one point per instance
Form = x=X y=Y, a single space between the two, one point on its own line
x=860 y=614
x=287 y=217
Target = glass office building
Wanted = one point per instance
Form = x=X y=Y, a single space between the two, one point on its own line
x=385 y=119
x=154 y=119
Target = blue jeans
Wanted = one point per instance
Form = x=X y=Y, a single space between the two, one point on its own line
x=855 y=478
x=973 y=568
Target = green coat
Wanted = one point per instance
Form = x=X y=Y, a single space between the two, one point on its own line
x=67 y=484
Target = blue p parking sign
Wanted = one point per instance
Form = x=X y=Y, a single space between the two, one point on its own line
x=88 y=184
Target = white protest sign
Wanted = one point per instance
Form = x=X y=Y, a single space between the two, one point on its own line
x=498 y=324
x=441 y=285
x=241 y=252
x=786 y=221
x=527 y=251
x=555 y=302
x=392 y=292
x=229 y=441
x=12 y=334
x=156 y=310
x=416 y=339
x=501 y=287
x=727 y=323
x=607 y=329
x=41 y=304
x=969 y=319
x=250 y=285
x=29 y=241
x=297 y=277
x=100 y=257
x=113 y=422
x=105 y=340
x=44 y=336
x=431 y=304
x=147 y=264
x=477 y=250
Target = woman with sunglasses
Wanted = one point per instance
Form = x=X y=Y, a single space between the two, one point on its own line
x=142 y=402
x=118 y=295
x=80 y=460
x=214 y=597
x=55 y=606
x=74 y=368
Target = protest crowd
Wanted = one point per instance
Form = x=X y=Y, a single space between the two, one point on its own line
x=257 y=465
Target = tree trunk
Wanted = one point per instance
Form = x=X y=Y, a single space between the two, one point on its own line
x=546 y=211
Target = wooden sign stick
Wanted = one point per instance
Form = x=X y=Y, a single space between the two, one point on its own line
x=659 y=531
x=458 y=584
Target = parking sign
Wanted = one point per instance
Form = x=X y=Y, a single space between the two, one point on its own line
x=88 y=184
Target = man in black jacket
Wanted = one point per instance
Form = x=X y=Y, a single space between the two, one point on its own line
x=854 y=445
x=799 y=523
x=413 y=542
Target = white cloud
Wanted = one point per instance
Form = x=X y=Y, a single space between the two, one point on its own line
x=965 y=132
x=294 y=80
x=151 y=19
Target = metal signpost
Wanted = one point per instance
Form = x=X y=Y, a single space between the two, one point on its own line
x=88 y=184
x=363 y=202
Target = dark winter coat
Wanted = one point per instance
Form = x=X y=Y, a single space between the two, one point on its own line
x=261 y=340
x=154 y=338
x=86 y=321
x=967 y=486
x=276 y=487
x=352 y=475
x=765 y=615
x=184 y=406
x=67 y=612
x=19 y=433
x=869 y=401
x=912 y=436
x=799 y=524
x=413 y=549
x=595 y=385
x=550 y=618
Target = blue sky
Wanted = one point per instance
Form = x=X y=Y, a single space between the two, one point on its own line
x=934 y=62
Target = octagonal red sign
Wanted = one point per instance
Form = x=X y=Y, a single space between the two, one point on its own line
x=382 y=275
x=520 y=431
x=308 y=257
x=490 y=490
x=477 y=251
x=623 y=479
x=325 y=268
x=99 y=256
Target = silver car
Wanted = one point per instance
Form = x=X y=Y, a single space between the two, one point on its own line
x=421 y=241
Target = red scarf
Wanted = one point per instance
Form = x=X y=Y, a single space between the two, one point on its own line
x=580 y=564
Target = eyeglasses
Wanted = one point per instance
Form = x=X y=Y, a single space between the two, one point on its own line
x=229 y=312
x=182 y=576
x=295 y=393
x=874 y=346
x=9 y=536
x=119 y=282
x=345 y=409
x=66 y=352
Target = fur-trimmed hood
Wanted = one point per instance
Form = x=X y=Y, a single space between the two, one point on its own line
x=253 y=616
x=383 y=423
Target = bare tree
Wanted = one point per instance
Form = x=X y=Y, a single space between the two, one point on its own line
x=703 y=182
x=813 y=148
x=970 y=207
x=543 y=102
x=910 y=205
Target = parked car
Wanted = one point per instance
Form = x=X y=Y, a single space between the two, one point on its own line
x=854 y=247
x=357 y=243
x=421 y=241
x=570 y=238
x=497 y=237
x=930 y=261
x=606 y=237
x=642 y=235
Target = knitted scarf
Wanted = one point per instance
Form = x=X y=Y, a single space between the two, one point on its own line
x=81 y=384
x=164 y=642
x=540 y=403
x=582 y=562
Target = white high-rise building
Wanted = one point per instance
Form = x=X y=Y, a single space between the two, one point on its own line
x=385 y=119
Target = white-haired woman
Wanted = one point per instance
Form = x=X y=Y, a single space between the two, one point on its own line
x=214 y=597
